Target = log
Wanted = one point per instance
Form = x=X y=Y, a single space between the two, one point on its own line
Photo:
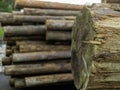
x=104 y=35
x=48 y=79
x=33 y=69
x=41 y=48
x=6 y=18
x=20 y=38
x=39 y=19
x=40 y=56
x=19 y=83
x=105 y=82
x=52 y=35
x=99 y=68
x=9 y=52
x=24 y=30
x=43 y=80
x=59 y=25
x=11 y=82
x=51 y=12
x=115 y=7
x=113 y=1
x=17 y=13
x=45 y=4
x=7 y=61
x=32 y=42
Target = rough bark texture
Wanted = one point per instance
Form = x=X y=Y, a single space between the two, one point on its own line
x=44 y=4
x=82 y=52
x=105 y=69
x=51 y=12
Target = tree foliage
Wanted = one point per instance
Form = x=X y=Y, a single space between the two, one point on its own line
x=6 y=5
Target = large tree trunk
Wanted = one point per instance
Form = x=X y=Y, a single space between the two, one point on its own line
x=99 y=27
x=44 y=4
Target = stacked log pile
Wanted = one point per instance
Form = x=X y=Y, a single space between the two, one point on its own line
x=38 y=45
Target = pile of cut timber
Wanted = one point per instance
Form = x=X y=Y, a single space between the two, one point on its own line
x=38 y=45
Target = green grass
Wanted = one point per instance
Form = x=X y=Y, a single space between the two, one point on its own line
x=1 y=32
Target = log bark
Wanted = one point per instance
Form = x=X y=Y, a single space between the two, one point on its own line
x=28 y=42
x=11 y=82
x=41 y=48
x=48 y=79
x=59 y=25
x=45 y=4
x=58 y=35
x=43 y=80
x=7 y=61
x=9 y=52
x=17 y=13
x=105 y=82
x=20 y=38
x=40 y=56
x=33 y=69
x=113 y=1
x=51 y=12
x=24 y=30
x=106 y=47
x=39 y=19
x=98 y=80
x=6 y=18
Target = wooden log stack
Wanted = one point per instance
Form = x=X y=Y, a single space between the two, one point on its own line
x=39 y=39
x=38 y=43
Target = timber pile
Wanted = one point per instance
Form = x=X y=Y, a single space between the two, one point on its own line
x=38 y=43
